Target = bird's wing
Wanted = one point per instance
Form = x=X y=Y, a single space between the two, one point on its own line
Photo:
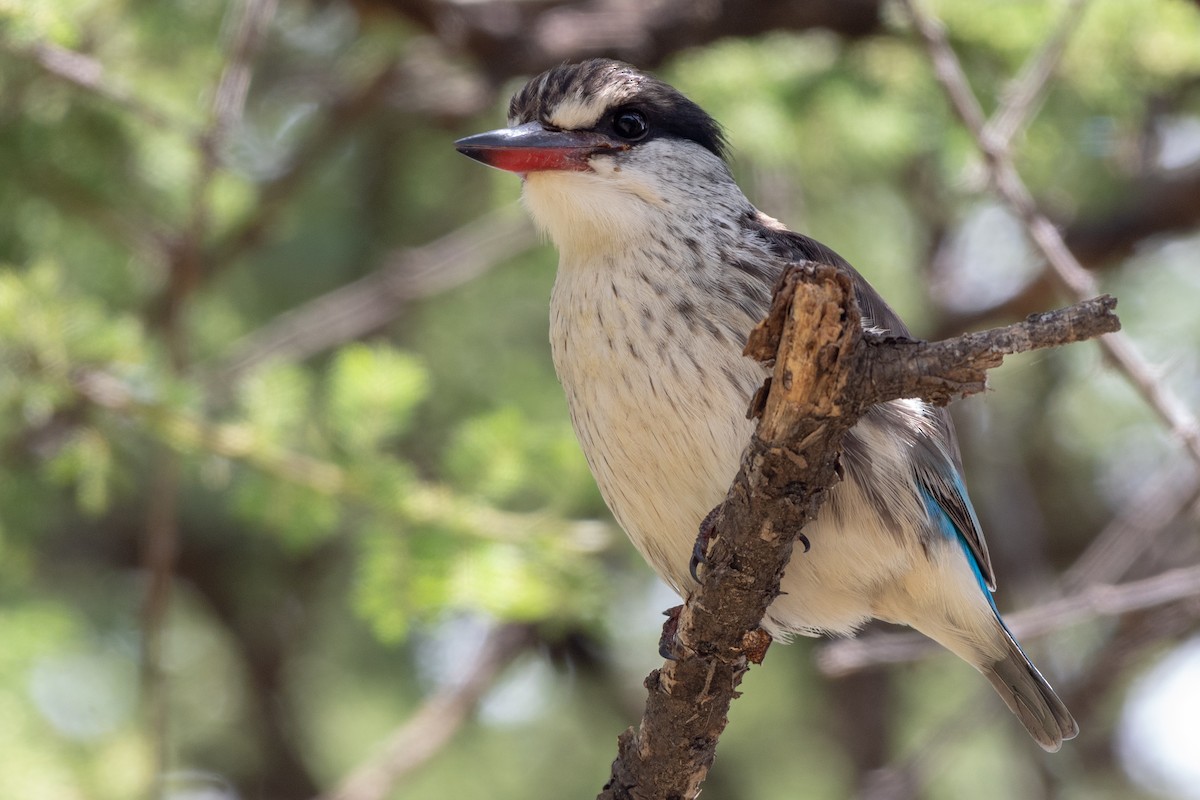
x=940 y=479
x=937 y=461
x=796 y=247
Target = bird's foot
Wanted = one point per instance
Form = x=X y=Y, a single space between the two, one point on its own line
x=666 y=642
x=708 y=527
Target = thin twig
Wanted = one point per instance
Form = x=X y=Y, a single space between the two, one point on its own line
x=185 y=257
x=142 y=236
x=420 y=502
x=1134 y=530
x=87 y=73
x=433 y=725
x=374 y=301
x=162 y=529
x=842 y=657
x=188 y=266
x=1071 y=275
x=160 y=552
x=1024 y=94
x=343 y=116
x=228 y=103
x=229 y=99
x=1077 y=323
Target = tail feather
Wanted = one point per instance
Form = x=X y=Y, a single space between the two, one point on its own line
x=1029 y=696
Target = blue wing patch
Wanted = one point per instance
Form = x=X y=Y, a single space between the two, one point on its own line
x=939 y=482
x=948 y=529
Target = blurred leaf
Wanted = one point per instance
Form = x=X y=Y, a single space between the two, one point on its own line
x=84 y=461
x=300 y=516
x=520 y=464
x=373 y=391
x=277 y=401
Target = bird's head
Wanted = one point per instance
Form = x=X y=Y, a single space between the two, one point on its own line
x=608 y=153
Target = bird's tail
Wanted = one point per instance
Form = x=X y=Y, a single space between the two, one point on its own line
x=1029 y=696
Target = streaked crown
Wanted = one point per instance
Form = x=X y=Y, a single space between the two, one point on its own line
x=591 y=94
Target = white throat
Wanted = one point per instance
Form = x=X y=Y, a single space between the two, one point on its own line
x=587 y=214
x=658 y=192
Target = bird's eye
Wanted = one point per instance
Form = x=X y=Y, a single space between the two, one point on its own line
x=630 y=124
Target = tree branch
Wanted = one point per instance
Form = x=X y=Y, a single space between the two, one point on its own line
x=513 y=38
x=1066 y=269
x=1023 y=96
x=979 y=352
x=424 y=502
x=827 y=374
x=1154 y=204
x=372 y=302
x=88 y=74
x=160 y=552
x=344 y=114
x=1167 y=496
x=1098 y=600
x=185 y=252
x=433 y=724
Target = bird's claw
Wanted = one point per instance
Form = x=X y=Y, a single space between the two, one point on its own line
x=708 y=527
x=698 y=550
x=666 y=642
x=804 y=541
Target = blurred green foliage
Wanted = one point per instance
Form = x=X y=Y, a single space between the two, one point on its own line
x=338 y=513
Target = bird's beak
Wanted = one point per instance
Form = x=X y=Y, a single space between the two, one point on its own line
x=532 y=148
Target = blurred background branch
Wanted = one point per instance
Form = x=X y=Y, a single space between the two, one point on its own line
x=1066 y=269
x=1097 y=600
x=87 y=74
x=518 y=38
x=431 y=726
x=375 y=301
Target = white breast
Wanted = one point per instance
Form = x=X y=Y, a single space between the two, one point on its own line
x=660 y=411
x=662 y=423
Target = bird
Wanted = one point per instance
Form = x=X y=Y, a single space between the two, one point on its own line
x=664 y=268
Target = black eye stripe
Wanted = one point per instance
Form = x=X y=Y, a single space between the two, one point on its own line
x=631 y=124
x=667 y=111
